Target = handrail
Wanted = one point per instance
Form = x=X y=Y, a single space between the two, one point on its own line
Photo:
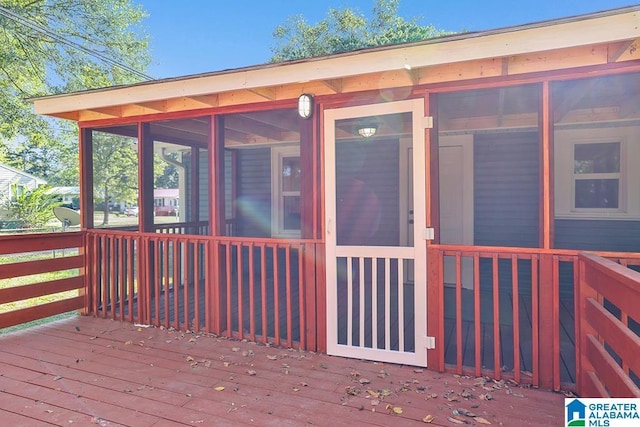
x=608 y=347
x=37 y=282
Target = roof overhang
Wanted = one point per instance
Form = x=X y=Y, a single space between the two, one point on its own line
x=394 y=66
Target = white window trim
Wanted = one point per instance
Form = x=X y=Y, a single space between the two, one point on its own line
x=564 y=176
x=277 y=195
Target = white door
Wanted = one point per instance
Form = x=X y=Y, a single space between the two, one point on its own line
x=376 y=274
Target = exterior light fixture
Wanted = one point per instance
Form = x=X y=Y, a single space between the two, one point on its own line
x=367 y=131
x=305 y=105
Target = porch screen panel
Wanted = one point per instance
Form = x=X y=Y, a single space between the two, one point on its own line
x=115 y=177
x=489 y=191
x=261 y=159
x=181 y=175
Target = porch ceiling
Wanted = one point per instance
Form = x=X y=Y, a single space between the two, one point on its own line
x=594 y=39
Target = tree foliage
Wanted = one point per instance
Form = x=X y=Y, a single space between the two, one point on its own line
x=32 y=208
x=343 y=30
x=115 y=171
x=54 y=46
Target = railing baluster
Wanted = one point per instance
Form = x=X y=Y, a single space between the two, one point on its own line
x=516 y=317
x=476 y=315
x=287 y=251
x=459 y=348
x=497 y=364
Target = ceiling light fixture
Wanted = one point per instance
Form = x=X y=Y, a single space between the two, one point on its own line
x=367 y=131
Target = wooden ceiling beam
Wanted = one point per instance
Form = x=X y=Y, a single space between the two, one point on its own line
x=616 y=50
x=334 y=84
x=244 y=124
x=268 y=93
x=112 y=112
x=157 y=106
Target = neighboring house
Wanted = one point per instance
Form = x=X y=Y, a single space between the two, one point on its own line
x=69 y=196
x=422 y=203
x=166 y=201
x=14 y=182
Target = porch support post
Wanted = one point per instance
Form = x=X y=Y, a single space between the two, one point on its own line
x=546 y=319
x=195 y=188
x=435 y=277
x=145 y=178
x=86 y=178
x=309 y=199
x=546 y=178
x=217 y=303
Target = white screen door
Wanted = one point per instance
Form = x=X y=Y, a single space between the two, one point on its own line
x=376 y=272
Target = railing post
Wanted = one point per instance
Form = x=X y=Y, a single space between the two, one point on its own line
x=546 y=316
x=435 y=311
x=308 y=254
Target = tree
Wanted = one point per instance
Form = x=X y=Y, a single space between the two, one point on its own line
x=54 y=46
x=345 y=30
x=32 y=208
x=115 y=171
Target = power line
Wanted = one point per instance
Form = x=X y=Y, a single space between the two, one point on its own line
x=42 y=30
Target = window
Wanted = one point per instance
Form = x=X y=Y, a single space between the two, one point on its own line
x=596 y=176
x=285 y=203
x=17 y=190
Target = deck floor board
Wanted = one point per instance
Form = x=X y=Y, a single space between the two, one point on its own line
x=97 y=371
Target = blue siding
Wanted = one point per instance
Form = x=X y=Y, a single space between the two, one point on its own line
x=254 y=193
x=506 y=189
x=598 y=235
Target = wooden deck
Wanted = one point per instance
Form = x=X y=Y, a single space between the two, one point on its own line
x=85 y=371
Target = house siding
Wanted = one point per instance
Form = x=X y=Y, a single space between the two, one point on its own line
x=598 y=235
x=253 y=202
x=506 y=190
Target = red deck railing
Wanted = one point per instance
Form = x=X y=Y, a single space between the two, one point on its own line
x=608 y=341
x=260 y=289
x=41 y=275
x=507 y=312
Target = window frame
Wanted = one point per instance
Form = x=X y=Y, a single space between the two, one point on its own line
x=278 y=154
x=620 y=176
x=564 y=193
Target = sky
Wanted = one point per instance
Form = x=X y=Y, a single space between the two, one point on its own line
x=198 y=36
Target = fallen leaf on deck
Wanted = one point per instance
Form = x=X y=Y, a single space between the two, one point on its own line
x=428 y=419
x=251 y=372
x=192 y=340
x=57 y=378
x=190 y=359
x=375 y=402
x=397 y=410
x=296 y=389
x=364 y=381
x=219 y=388
x=481 y=420
x=272 y=357
x=455 y=421
x=235 y=349
x=373 y=393
x=128 y=342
